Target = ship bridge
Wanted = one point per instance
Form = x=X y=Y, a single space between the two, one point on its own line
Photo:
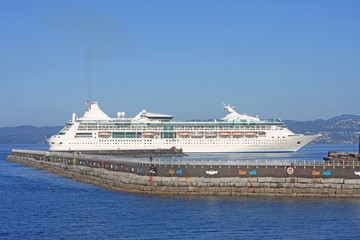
x=144 y=116
x=233 y=116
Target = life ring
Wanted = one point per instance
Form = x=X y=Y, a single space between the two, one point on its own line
x=150 y=179
x=290 y=170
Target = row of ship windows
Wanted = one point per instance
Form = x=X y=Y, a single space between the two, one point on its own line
x=196 y=140
x=138 y=135
x=195 y=145
x=185 y=143
x=81 y=128
x=190 y=124
x=201 y=144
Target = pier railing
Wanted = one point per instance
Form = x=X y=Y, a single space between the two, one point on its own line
x=46 y=155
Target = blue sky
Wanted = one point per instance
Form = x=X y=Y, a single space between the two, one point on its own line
x=296 y=60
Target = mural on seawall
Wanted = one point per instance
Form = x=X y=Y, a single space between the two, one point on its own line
x=230 y=171
x=289 y=170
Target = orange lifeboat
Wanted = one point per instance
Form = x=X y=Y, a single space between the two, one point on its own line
x=105 y=134
x=184 y=134
x=224 y=134
x=238 y=134
x=250 y=134
x=148 y=134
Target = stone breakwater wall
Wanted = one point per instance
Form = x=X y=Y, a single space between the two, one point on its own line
x=134 y=180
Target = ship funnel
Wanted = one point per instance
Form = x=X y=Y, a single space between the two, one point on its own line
x=93 y=112
x=89 y=104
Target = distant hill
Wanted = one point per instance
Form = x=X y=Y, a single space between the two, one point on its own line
x=344 y=117
x=27 y=134
x=344 y=129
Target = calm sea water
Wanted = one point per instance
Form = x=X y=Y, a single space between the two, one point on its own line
x=38 y=205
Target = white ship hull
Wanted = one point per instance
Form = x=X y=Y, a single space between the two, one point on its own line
x=233 y=145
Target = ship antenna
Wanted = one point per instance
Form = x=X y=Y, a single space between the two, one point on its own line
x=274 y=115
x=88 y=73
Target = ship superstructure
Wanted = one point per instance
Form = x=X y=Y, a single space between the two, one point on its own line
x=234 y=133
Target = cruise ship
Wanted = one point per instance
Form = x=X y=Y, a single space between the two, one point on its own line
x=235 y=133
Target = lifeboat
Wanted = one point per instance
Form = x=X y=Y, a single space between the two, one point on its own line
x=104 y=134
x=183 y=134
x=250 y=134
x=262 y=134
x=224 y=134
x=148 y=134
x=210 y=134
x=238 y=134
x=197 y=134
